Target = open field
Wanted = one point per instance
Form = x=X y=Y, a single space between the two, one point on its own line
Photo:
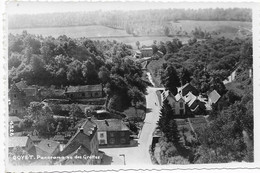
x=73 y=31
x=218 y=26
x=97 y=32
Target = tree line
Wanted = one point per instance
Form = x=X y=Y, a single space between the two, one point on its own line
x=124 y=19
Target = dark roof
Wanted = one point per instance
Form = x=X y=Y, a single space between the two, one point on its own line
x=111 y=125
x=188 y=88
x=48 y=146
x=80 y=151
x=83 y=136
x=84 y=88
x=35 y=138
x=30 y=91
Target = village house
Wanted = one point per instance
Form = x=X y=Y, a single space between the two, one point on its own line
x=84 y=92
x=84 y=139
x=146 y=52
x=177 y=103
x=23 y=142
x=112 y=132
x=45 y=148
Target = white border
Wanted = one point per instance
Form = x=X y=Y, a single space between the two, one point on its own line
x=235 y=167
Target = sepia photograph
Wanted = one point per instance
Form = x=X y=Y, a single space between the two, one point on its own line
x=129 y=83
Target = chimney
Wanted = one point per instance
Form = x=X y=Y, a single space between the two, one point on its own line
x=106 y=122
x=81 y=129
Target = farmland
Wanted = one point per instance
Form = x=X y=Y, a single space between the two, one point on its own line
x=97 y=32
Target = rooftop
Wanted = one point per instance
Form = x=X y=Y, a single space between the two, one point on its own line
x=48 y=146
x=84 y=88
x=214 y=96
x=111 y=125
x=18 y=141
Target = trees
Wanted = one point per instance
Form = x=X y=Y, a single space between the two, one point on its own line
x=137 y=43
x=166 y=31
x=170 y=79
x=167 y=124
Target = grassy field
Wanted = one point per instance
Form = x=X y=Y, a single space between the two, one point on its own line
x=224 y=28
x=97 y=32
x=73 y=32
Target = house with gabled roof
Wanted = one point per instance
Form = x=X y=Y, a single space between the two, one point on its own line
x=112 y=132
x=84 y=91
x=23 y=142
x=45 y=148
x=177 y=102
x=185 y=89
x=86 y=136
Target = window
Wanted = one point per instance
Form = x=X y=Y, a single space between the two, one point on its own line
x=122 y=141
x=102 y=141
x=112 y=134
x=122 y=134
x=112 y=141
x=101 y=135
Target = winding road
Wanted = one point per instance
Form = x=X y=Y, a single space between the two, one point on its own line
x=139 y=154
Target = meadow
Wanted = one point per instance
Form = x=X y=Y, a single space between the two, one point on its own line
x=97 y=32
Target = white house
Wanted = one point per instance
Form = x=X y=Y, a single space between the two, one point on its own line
x=177 y=102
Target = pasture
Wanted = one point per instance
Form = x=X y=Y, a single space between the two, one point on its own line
x=97 y=32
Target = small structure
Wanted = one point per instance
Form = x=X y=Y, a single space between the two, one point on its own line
x=146 y=52
x=213 y=97
x=23 y=142
x=112 y=132
x=84 y=92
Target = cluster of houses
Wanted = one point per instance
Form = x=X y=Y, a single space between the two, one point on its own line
x=187 y=105
x=99 y=129
x=188 y=102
